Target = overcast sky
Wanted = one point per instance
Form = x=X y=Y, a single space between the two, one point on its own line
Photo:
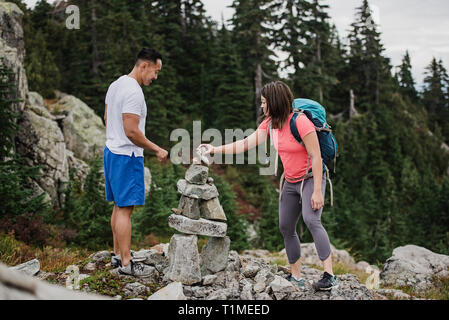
x=421 y=26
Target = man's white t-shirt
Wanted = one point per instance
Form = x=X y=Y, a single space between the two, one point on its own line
x=124 y=96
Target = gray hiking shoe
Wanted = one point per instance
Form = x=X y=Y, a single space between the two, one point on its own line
x=116 y=260
x=136 y=269
x=300 y=283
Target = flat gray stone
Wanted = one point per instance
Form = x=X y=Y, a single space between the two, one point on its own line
x=197 y=174
x=189 y=207
x=173 y=291
x=184 y=259
x=205 y=192
x=212 y=209
x=214 y=256
x=201 y=227
x=29 y=268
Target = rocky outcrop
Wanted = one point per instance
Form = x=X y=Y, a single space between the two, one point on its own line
x=41 y=141
x=12 y=47
x=246 y=276
x=82 y=129
x=57 y=138
x=414 y=266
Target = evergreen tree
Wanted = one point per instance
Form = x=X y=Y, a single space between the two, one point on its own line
x=435 y=97
x=231 y=107
x=368 y=71
x=251 y=34
x=269 y=235
x=162 y=197
x=405 y=77
x=237 y=224
x=86 y=210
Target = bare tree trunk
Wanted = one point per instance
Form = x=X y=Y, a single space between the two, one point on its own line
x=318 y=58
x=95 y=62
x=377 y=86
x=352 y=111
x=258 y=87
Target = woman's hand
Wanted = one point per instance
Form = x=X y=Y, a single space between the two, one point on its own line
x=317 y=201
x=209 y=148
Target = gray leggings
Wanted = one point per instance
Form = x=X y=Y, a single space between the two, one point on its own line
x=289 y=208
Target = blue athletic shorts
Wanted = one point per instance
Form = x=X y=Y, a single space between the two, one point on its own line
x=124 y=179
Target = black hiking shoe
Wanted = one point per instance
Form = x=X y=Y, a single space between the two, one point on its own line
x=327 y=282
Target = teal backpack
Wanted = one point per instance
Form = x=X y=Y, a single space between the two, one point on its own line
x=316 y=113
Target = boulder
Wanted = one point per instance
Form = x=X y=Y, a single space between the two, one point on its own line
x=281 y=287
x=41 y=142
x=214 y=255
x=103 y=256
x=12 y=48
x=414 y=266
x=147 y=178
x=212 y=209
x=205 y=192
x=29 y=268
x=153 y=258
x=201 y=227
x=184 y=259
x=173 y=291
x=135 y=289
x=35 y=103
x=83 y=130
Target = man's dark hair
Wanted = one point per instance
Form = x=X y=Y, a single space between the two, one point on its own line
x=148 y=54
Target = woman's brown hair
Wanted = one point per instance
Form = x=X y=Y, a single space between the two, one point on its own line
x=279 y=102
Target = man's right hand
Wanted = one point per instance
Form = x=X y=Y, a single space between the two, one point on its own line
x=162 y=154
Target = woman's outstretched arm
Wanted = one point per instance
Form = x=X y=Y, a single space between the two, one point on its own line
x=252 y=141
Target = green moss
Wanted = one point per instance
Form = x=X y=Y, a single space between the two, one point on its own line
x=106 y=283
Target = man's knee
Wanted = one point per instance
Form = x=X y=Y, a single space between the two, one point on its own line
x=125 y=211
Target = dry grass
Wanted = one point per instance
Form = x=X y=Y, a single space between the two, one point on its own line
x=13 y=252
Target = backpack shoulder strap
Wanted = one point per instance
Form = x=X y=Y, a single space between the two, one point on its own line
x=294 y=128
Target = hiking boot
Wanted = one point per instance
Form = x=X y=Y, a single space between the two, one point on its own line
x=300 y=283
x=327 y=282
x=136 y=269
x=116 y=260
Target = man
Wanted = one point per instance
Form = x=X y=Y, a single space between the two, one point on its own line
x=125 y=115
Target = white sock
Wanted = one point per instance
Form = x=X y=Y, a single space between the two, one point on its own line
x=297 y=278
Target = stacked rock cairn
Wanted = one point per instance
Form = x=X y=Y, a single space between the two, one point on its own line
x=199 y=213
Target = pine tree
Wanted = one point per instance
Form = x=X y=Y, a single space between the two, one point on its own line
x=231 y=105
x=368 y=71
x=237 y=224
x=251 y=34
x=86 y=211
x=162 y=197
x=405 y=77
x=435 y=97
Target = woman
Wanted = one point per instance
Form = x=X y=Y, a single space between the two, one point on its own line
x=277 y=100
